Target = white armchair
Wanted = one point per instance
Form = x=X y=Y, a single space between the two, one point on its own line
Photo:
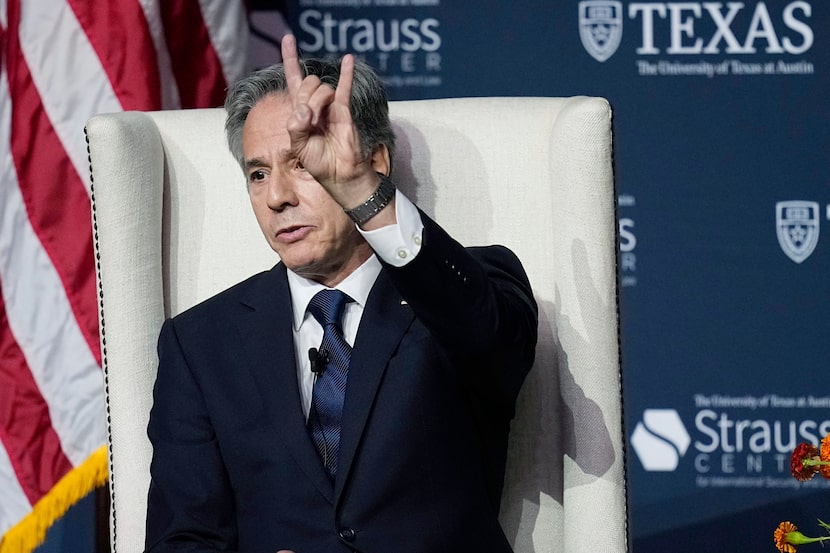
x=173 y=225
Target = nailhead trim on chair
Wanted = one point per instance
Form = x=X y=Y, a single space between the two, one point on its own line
x=104 y=365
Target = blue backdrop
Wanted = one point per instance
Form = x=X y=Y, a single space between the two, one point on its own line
x=722 y=155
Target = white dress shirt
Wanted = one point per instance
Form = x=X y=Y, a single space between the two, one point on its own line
x=396 y=244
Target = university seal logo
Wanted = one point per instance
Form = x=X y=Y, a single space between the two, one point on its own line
x=797 y=225
x=600 y=27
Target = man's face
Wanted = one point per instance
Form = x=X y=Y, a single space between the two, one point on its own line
x=302 y=223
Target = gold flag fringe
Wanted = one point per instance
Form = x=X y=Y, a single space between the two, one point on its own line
x=30 y=532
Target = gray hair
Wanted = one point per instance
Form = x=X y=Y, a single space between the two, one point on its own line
x=369 y=104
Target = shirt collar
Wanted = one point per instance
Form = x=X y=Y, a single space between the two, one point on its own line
x=357 y=286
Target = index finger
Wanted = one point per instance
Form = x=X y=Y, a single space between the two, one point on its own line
x=343 y=92
x=291 y=64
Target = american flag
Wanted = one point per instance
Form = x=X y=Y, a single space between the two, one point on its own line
x=62 y=61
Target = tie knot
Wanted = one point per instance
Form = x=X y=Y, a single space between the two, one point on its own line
x=327 y=306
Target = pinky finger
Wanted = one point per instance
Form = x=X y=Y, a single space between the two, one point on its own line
x=343 y=93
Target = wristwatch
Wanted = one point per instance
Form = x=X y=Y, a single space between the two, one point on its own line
x=379 y=199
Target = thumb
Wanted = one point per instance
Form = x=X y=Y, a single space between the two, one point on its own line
x=299 y=124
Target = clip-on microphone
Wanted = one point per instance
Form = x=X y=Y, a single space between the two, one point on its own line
x=318 y=360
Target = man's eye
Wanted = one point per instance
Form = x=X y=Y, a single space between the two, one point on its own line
x=256 y=176
x=299 y=166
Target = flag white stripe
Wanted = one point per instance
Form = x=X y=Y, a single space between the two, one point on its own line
x=41 y=319
x=15 y=504
x=72 y=84
x=227 y=27
x=70 y=78
x=170 y=98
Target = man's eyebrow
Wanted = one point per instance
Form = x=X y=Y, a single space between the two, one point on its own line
x=254 y=162
x=285 y=154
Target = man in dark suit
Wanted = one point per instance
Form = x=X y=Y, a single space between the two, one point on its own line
x=358 y=396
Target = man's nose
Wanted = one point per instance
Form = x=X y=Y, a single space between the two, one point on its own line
x=281 y=192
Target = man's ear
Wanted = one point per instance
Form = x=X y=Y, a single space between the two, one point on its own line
x=380 y=160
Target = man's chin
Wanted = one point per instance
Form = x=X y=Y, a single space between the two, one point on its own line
x=306 y=268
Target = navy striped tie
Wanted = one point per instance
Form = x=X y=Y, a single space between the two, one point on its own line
x=330 y=386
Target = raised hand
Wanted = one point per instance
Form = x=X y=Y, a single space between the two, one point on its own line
x=323 y=136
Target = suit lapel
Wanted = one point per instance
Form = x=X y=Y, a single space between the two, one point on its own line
x=384 y=322
x=267 y=341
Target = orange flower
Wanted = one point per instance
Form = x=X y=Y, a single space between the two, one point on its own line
x=825 y=456
x=787 y=536
x=780 y=537
x=802 y=464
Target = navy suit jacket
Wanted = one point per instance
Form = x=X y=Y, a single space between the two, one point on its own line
x=441 y=352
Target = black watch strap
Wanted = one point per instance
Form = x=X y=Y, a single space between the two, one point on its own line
x=379 y=199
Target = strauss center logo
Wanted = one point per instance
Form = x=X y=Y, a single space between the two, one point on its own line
x=727 y=443
x=660 y=440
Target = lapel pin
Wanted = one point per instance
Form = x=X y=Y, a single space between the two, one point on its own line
x=404 y=302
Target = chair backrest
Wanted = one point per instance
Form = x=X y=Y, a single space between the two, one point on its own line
x=173 y=226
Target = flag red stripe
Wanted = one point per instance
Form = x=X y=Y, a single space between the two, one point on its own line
x=196 y=67
x=39 y=381
x=120 y=36
x=61 y=222
x=26 y=430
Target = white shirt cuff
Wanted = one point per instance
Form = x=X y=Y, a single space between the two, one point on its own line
x=398 y=244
